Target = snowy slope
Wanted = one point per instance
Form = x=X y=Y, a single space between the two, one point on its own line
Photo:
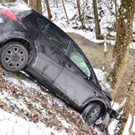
x=30 y=110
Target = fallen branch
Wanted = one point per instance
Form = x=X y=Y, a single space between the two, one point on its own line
x=110 y=37
x=13 y=74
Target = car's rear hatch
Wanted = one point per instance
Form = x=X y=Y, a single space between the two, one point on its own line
x=11 y=16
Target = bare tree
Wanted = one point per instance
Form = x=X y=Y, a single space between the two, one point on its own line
x=56 y=1
x=36 y=4
x=8 y=0
x=65 y=9
x=97 y=26
x=79 y=12
x=129 y=106
x=26 y=1
x=48 y=9
x=123 y=40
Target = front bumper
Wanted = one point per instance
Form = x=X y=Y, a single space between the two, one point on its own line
x=110 y=113
x=114 y=114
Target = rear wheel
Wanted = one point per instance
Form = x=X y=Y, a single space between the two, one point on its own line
x=91 y=113
x=14 y=56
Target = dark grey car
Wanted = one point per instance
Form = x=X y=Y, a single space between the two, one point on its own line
x=31 y=42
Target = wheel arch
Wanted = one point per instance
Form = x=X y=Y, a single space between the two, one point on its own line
x=29 y=46
x=99 y=101
x=17 y=39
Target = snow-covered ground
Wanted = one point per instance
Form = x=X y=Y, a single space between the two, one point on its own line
x=13 y=123
x=113 y=127
x=27 y=110
x=106 y=17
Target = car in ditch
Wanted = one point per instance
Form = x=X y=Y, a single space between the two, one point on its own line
x=30 y=42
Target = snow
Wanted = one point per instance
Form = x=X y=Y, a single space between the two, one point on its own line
x=125 y=20
x=11 y=124
x=113 y=127
x=18 y=5
x=22 y=105
x=101 y=78
x=21 y=5
x=26 y=81
x=1 y=20
x=73 y=25
x=105 y=45
x=127 y=126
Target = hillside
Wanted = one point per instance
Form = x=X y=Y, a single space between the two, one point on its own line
x=34 y=110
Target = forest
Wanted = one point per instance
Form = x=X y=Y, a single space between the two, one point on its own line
x=105 y=31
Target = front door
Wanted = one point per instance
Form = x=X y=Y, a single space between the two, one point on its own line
x=73 y=81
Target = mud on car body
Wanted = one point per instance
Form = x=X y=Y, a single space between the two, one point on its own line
x=32 y=43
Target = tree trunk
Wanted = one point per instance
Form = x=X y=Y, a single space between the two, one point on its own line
x=97 y=26
x=36 y=4
x=56 y=2
x=116 y=9
x=65 y=9
x=26 y=1
x=123 y=40
x=79 y=12
x=129 y=106
x=10 y=0
x=1 y=69
x=48 y=9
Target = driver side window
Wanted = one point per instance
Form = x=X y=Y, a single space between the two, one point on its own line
x=80 y=61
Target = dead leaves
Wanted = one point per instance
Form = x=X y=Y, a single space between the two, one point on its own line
x=35 y=106
x=1 y=102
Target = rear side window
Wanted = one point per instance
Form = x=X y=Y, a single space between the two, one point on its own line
x=42 y=24
x=58 y=38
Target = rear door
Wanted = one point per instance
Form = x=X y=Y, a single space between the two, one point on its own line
x=52 y=47
x=73 y=81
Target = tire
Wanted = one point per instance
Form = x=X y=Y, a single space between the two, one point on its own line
x=91 y=113
x=14 y=56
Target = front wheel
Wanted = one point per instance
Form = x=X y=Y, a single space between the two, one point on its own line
x=91 y=113
x=14 y=56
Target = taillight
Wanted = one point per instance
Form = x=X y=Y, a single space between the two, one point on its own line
x=9 y=14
